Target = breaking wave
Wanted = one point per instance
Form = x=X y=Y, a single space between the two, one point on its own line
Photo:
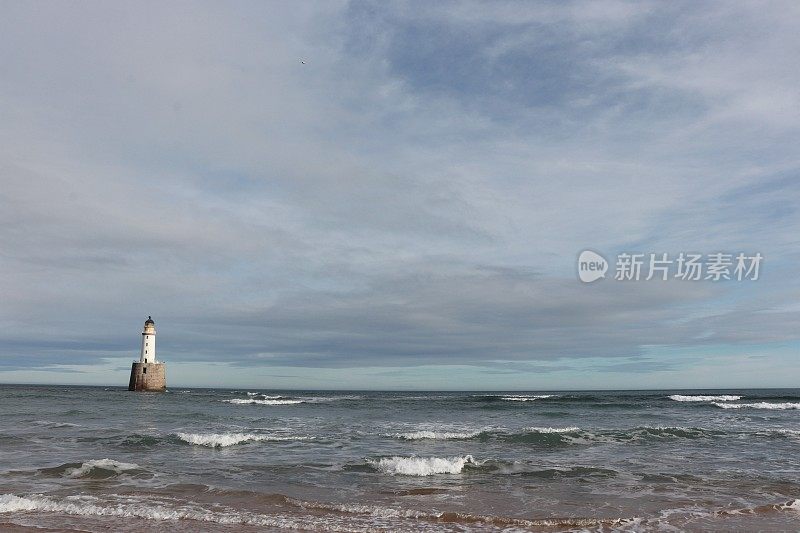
x=555 y=437
x=792 y=433
x=266 y=401
x=220 y=440
x=444 y=435
x=552 y=430
x=759 y=405
x=512 y=397
x=716 y=398
x=263 y=399
x=421 y=466
x=55 y=425
x=791 y=505
x=94 y=469
x=89 y=506
x=525 y=398
x=550 y=437
x=337 y=517
x=456 y=517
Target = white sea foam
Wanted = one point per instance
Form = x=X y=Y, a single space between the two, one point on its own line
x=267 y=401
x=551 y=430
x=89 y=506
x=106 y=464
x=157 y=511
x=325 y=399
x=525 y=398
x=263 y=399
x=507 y=524
x=715 y=398
x=56 y=424
x=759 y=405
x=793 y=432
x=218 y=440
x=793 y=505
x=264 y=396
x=443 y=435
x=355 y=508
x=421 y=466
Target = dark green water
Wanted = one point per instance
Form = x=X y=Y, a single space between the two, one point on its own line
x=95 y=459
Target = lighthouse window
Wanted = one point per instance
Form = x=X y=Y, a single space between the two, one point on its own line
x=144 y=370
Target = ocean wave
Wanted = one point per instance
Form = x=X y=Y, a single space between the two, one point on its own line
x=220 y=440
x=661 y=432
x=551 y=430
x=467 y=519
x=715 y=398
x=547 y=437
x=263 y=399
x=525 y=398
x=357 y=517
x=570 y=436
x=786 y=432
x=263 y=402
x=55 y=425
x=791 y=505
x=138 y=440
x=421 y=466
x=571 y=472
x=443 y=435
x=759 y=405
x=94 y=469
x=511 y=397
x=550 y=437
x=361 y=509
x=157 y=511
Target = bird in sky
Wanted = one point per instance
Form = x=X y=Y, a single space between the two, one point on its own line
x=302 y=61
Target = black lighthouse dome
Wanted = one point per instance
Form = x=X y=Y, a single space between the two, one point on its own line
x=149 y=321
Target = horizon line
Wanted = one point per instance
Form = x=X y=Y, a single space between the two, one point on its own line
x=124 y=387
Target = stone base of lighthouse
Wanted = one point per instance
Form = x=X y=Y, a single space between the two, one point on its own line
x=148 y=377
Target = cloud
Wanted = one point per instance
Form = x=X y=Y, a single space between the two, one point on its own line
x=416 y=193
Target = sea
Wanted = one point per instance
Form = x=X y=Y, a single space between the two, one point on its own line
x=105 y=459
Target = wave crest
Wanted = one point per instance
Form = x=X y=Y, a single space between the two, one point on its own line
x=220 y=440
x=94 y=469
x=525 y=398
x=572 y=429
x=759 y=405
x=421 y=466
x=443 y=435
x=714 y=398
x=402 y=519
x=266 y=401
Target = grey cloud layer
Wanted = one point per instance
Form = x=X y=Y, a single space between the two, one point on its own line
x=417 y=192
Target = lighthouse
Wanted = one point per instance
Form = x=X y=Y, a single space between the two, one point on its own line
x=147 y=374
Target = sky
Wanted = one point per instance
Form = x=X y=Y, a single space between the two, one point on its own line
x=393 y=195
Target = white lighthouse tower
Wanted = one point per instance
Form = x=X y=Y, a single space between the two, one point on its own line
x=148 y=342
x=147 y=374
